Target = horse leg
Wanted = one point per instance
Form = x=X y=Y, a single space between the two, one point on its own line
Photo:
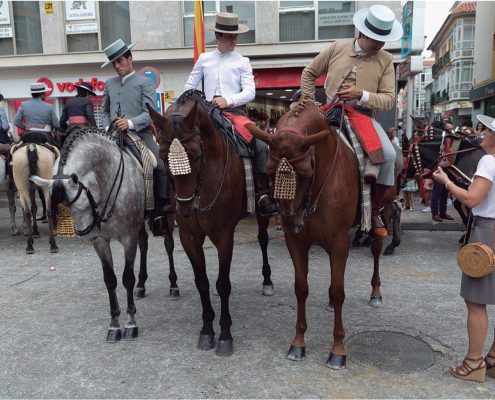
x=27 y=215
x=225 y=245
x=12 y=210
x=263 y=238
x=53 y=243
x=193 y=246
x=357 y=238
x=34 y=210
x=168 y=241
x=396 y=232
x=102 y=248
x=338 y=251
x=140 y=291
x=376 y=296
x=129 y=280
x=299 y=256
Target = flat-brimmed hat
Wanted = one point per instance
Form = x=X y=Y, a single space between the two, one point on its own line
x=227 y=23
x=86 y=86
x=38 y=87
x=378 y=22
x=115 y=50
x=489 y=122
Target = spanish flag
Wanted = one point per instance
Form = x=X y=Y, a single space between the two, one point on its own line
x=199 y=30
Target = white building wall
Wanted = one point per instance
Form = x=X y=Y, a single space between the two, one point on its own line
x=483 y=40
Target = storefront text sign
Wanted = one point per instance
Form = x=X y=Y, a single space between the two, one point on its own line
x=77 y=10
x=4 y=13
x=6 y=32
x=72 y=29
x=48 y=7
x=335 y=19
x=69 y=87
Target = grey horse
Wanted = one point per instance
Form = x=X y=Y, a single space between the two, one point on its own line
x=6 y=185
x=105 y=190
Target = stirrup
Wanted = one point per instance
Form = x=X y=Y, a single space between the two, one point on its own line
x=266 y=206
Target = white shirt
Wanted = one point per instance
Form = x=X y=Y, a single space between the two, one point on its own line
x=225 y=74
x=486 y=169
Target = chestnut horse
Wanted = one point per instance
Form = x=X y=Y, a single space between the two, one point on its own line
x=324 y=207
x=211 y=199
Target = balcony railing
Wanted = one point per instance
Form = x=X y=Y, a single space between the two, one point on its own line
x=441 y=63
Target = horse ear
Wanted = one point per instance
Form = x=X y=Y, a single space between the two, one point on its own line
x=190 y=118
x=313 y=139
x=259 y=134
x=156 y=117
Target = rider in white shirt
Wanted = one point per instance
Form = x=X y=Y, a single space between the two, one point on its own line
x=228 y=84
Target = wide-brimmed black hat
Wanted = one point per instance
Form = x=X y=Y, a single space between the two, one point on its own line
x=86 y=86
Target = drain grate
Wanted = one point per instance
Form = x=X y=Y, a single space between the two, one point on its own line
x=390 y=351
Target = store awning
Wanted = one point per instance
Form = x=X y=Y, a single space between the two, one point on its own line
x=271 y=78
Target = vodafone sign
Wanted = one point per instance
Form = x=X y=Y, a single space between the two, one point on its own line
x=68 y=87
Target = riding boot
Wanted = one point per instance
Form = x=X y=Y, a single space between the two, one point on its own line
x=158 y=218
x=266 y=205
x=378 y=228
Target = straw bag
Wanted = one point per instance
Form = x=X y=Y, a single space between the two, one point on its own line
x=65 y=222
x=476 y=260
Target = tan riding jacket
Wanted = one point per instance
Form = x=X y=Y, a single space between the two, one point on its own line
x=374 y=74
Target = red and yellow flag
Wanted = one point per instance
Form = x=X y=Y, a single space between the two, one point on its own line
x=199 y=30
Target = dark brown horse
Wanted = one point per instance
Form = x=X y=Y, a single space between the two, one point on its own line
x=324 y=207
x=211 y=199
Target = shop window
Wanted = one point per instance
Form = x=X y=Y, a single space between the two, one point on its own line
x=6 y=47
x=244 y=9
x=27 y=26
x=82 y=42
x=296 y=21
x=114 y=22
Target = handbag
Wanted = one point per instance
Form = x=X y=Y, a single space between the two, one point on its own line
x=476 y=260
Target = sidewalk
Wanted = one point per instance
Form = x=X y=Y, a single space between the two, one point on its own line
x=416 y=220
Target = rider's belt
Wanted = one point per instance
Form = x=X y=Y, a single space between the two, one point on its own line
x=39 y=128
x=78 y=119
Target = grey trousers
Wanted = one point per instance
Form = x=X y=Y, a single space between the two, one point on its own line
x=160 y=176
x=386 y=174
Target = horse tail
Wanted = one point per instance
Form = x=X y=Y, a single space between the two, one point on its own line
x=57 y=197
x=32 y=155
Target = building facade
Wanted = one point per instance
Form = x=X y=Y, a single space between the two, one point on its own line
x=482 y=94
x=61 y=43
x=453 y=69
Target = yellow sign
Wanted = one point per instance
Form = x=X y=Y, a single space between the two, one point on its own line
x=169 y=94
x=48 y=7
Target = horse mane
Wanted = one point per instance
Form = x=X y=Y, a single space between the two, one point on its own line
x=76 y=136
x=190 y=94
x=301 y=105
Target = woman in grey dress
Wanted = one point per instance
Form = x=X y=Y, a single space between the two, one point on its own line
x=478 y=292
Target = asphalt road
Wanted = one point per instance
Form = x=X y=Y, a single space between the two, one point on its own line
x=54 y=320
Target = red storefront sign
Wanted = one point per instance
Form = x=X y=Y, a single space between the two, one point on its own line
x=272 y=78
x=96 y=84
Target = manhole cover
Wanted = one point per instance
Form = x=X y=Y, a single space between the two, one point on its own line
x=390 y=351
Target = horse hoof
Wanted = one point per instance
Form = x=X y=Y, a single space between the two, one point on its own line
x=329 y=306
x=336 y=361
x=376 y=301
x=15 y=232
x=206 y=342
x=130 y=333
x=388 y=251
x=139 y=293
x=268 y=290
x=225 y=348
x=29 y=250
x=54 y=249
x=114 y=335
x=296 y=353
x=174 y=294
x=36 y=234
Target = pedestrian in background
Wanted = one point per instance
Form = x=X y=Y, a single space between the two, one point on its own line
x=478 y=292
x=4 y=124
x=479 y=128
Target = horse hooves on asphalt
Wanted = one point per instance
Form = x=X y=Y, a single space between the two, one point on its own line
x=36 y=234
x=130 y=333
x=114 y=335
x=225 y=348
x=29 y=250
x=206 y=342
x=329 y=306
x=376 y=301
x=174 y=294
x=268 y=290
x=336 y=361
x=139 y=293
x=389 y=251
x=54 y=249
x=14 y=232
x=296 y=353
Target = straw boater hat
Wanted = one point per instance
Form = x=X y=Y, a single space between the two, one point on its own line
x=489 y=122
x=86 y=86
x=38 y=87
x=115 y=50
x=227 y=23
x=378 y=22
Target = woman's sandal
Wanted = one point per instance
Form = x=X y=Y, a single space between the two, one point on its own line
x=490 y=366
x=468 y=373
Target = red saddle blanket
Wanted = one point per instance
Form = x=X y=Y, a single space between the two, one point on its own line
x=365 y=131
x=240 y=122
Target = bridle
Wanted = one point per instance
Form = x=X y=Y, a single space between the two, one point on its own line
x=197 y=190
x=103 y=216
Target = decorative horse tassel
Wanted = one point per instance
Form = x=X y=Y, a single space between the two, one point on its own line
x=178 y=161
x=285 y=181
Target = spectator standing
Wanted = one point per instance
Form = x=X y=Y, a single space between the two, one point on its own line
x=4 y=124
